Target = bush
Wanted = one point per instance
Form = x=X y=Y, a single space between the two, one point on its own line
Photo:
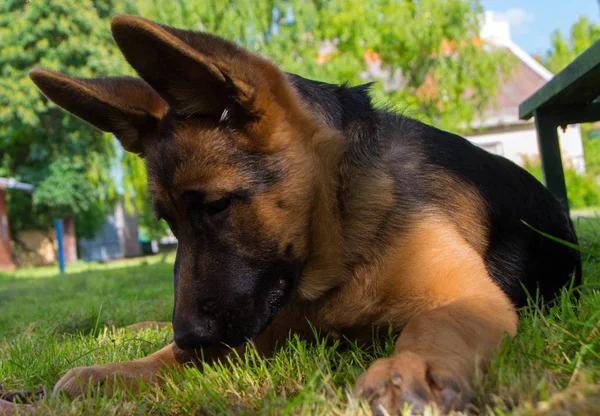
x=583 y=190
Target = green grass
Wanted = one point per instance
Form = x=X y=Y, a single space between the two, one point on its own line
x=51 y=323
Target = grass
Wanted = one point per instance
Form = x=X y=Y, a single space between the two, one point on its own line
x=51 y=323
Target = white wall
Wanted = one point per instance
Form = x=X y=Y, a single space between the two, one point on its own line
x=515 y=144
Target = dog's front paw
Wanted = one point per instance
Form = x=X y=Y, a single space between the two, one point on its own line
x=409 y=379
x=102 y=379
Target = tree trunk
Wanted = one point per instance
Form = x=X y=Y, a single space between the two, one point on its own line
x=69 y=241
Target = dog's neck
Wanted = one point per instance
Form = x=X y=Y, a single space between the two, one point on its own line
x=324 y=267
x=348 y=166
x=334 y=159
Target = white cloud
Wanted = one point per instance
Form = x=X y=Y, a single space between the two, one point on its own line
x=518 y=19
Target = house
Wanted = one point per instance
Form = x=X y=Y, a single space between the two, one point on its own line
x=499 y=130
x=116 y=239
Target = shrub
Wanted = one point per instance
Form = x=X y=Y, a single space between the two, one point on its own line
x=582 y=189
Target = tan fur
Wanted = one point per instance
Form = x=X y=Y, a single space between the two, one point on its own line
x=428 y=266
x=325 y=269
x=261 y=85
x=205 y=167
x=119 y=376
x=454 y=316
x=466 y=208
x=155 y=105
x=123 y=106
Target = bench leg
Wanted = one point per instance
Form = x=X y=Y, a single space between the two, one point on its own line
x=552 y=167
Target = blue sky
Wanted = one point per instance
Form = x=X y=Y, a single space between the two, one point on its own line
x=533 y=21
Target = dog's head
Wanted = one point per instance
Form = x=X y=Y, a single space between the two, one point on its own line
x=229 y=154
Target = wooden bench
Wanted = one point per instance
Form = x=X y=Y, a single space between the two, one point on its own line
x=571 y=97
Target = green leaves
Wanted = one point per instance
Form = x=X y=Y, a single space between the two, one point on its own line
x=66 y=189
x=67 y=159
x=583 y=33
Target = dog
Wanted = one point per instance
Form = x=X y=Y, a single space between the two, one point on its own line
x=297 y=204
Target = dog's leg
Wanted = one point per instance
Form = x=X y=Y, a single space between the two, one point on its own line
x=436 y=357
x=458 y=318
x=111 y=377
x=108 y=378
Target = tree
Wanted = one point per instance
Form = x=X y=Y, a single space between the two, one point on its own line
x=68 y=160
x=562 y=52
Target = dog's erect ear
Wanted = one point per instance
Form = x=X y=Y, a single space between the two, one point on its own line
x=202 y=74
x=196 y=73
x=124 y=106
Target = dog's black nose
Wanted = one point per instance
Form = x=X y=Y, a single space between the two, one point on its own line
x=190 y=337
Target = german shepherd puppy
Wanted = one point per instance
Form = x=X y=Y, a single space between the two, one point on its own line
x=296 y=201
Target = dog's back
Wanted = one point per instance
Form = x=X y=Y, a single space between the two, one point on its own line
x=491 y=199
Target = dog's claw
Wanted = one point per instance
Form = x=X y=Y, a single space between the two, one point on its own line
x=450 y=393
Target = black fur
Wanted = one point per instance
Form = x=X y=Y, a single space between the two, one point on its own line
x=517 y=256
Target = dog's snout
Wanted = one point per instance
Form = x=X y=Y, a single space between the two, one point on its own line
x=196 y=323
x=209 y=306
x=190 y=336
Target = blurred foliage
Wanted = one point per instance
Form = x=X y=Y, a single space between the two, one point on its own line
x=68 y=191
x=583 y=190
x=563 y=51
x=39 y=143
x=424 y=54
x=136 y=191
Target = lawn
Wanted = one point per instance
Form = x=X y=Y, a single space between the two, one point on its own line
x=51 y=323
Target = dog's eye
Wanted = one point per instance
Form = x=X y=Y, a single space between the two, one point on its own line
x=217 y=206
